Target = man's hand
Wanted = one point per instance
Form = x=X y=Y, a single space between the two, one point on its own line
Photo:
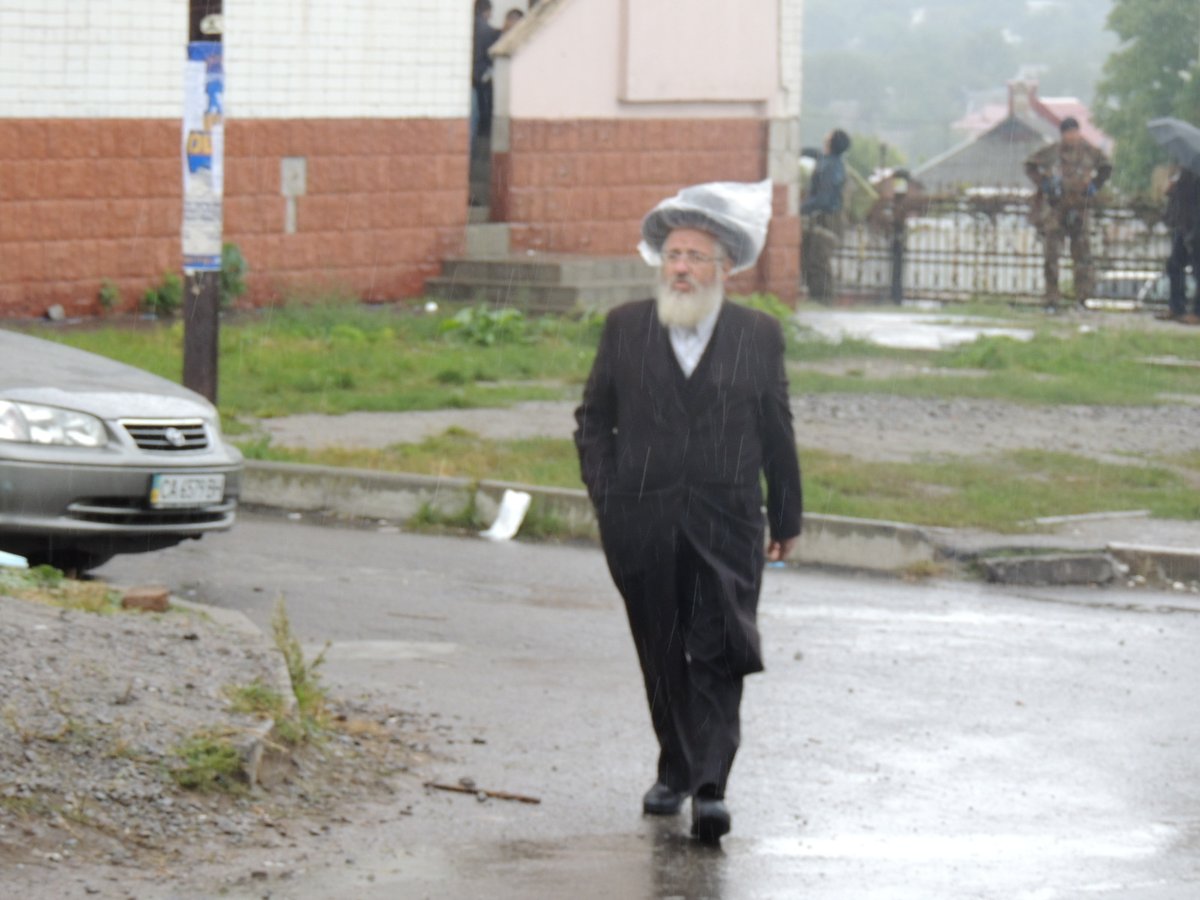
x=777 y=551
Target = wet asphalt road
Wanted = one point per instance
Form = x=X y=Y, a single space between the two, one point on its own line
x=907 y=741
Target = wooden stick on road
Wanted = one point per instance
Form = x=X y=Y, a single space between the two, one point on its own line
x=495 y=795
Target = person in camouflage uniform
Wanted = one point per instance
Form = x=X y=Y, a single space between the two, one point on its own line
x=1067 y=175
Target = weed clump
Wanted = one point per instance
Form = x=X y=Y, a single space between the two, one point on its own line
x=311 y=715
x=208 y=762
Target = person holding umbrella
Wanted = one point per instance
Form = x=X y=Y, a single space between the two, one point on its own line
x=1183 y=218
x=1182 y=143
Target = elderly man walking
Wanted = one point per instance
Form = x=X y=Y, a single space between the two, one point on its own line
x=686 y=404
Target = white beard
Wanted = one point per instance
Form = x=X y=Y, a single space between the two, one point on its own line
x=687 y=310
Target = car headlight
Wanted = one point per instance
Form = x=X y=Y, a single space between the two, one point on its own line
x=31 y=423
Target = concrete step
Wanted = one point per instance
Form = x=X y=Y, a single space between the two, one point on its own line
x=487 y=240
x=552 y=270
x=542 y=282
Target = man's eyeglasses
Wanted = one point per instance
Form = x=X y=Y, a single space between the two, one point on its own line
x=691 y=257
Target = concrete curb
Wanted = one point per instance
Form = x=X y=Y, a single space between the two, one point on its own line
x=1051 y=568
x=395 y=497
x=1164 y=564
x=836 y=541
x=251 y=745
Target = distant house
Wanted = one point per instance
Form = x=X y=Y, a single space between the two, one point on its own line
x=1002 y=136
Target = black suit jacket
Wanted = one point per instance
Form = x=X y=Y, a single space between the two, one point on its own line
x=663 y=455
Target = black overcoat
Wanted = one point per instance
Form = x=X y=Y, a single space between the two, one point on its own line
x=665 y=457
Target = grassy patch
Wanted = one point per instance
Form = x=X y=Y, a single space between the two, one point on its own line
x=999 y=493
x=46 y=584
x=430 y=518
x=336 y=358
x=208 y=762
x=1092 y=368
x=341 y=358
x=256 y=699
x=456 y=453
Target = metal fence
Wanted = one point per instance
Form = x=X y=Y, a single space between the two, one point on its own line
x=959 y=248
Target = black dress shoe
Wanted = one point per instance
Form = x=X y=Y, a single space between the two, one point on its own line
x=710 y=819
x=661 y=800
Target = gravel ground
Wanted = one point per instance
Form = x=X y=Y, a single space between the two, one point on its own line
x=93 y=709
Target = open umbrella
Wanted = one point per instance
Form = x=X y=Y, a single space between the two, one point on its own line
x=1180 y=139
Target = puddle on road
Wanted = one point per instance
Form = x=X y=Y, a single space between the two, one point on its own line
x=1138 y=843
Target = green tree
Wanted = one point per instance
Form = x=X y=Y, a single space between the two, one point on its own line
x=868 y=153
x=1155 y=72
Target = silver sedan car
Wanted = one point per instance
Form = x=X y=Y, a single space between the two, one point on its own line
x=99 y=458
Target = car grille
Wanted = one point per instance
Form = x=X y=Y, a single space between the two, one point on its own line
x=170 y=436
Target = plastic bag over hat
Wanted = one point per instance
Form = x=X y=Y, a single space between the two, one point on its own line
x=736 y=213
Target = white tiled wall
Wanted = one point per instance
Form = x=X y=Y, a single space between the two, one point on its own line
x=91 y=58
x=284 y=58
x=365 y=58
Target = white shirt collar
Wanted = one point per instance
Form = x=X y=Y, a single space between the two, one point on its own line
x=689 y=344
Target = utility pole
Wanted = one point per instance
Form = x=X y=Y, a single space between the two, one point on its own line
x=204 y=151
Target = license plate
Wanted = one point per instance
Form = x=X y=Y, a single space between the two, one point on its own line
x=186 y=490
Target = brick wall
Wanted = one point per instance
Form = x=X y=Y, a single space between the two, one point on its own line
x=584 y=186
x=82 y=201
x=373 y=95
x=386 y=201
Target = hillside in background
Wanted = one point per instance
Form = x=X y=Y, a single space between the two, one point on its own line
x=906 y=69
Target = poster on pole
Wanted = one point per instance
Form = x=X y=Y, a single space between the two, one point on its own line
x=203 y=156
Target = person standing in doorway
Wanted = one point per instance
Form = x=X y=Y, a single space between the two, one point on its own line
x=821 y=215
x=685 y=406
x=1068 y=175
x=481 y=72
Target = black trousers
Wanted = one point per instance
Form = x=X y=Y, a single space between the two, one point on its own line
x=1185 y=250
x=693 y=693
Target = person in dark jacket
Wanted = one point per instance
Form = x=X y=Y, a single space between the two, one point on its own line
x=481 y=71
x=1183 y=218
x=685 y=406
x=821 y=213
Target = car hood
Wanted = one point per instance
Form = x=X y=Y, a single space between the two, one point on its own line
x=39 y=371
